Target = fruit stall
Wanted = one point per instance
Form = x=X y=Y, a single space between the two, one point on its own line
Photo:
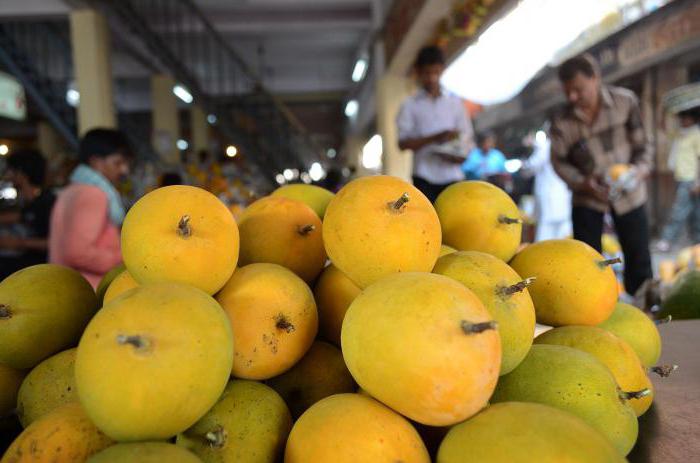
x=364 y=326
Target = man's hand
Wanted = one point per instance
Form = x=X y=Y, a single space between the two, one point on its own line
x=445 y=136
x=593 y=188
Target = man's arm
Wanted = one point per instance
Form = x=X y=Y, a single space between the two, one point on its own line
x=407 y=129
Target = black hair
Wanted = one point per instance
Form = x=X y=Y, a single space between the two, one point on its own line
x=170 y=178
x=584 y=64
x=29 y=162
x=102 y=143
x=481 y=138
x=689 y=113
x=428 y=56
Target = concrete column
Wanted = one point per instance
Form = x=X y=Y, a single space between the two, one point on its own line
x=93 y=71
x=199 y=129
x=165 y=121
x=392 y=90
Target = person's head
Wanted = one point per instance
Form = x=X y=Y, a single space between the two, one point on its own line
x=429 y=65
x=486 y=141
x=580 y=77
x=687 y=119
x=170 y=178
x=107 y=151
x=26 y=168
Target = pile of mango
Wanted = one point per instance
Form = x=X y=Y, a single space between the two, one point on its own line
x=366 y=326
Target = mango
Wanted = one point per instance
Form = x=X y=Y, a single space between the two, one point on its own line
x=43 y=310
x=575 y=284
x=478 y=216
x=10 y=381
x=682 y=301
x=48 y=386
x=380 y=225
x=321 y=373
x=144 y=452
x=638 y=330
x=183 y=234
x=520 y=432
x=283 y=231
x=352 y=428
x=66 y=435
x=315 y=197
x=504 y=294
x=121 y=284
x=333 y=292
x=153 y=361
x=106 y=281
x=445 y=250
x=574 y=381
x=424 y=345
x=273 y=316
x=612 y=352
x=250 y=423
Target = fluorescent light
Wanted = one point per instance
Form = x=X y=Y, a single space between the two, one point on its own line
x=358 y=72
x=513 y=165
x=351 y=108
x=331 y=153
x=183 y=94
x=288 y=174
x=182 y=145
x=540 y=137
x=4 y=149
x=211 y=118
x=280 y=178
x=8 y=193
x=72 y=97
x=372 y=153
x=305 y=177
x=295 y=174
x=231 y=151
x=316 y=172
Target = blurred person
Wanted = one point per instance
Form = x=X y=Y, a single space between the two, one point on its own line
x=484 y=160
x=434 y=124
x=552 y=196
x=26 y=170
x=170 y=178
x=602 y=126
x=88 y=213
x=683 y=161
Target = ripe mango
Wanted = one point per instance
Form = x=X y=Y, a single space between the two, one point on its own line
x=48 y=386
x=250 y=423
x=333 y=292
x=321 y=373
x=121 y=284
x=638 y=330
x=575 y=284
x=574 y=381
x=612 y=352
x=445 y=250
x=43 y=310
x=478 y=216
x=182 y=234
x=144 y=452
x=273 y=316
x=315 y=197
x=424 y=345
x=106 y=281
x=380 y=225
x=10 y=381
x=504 y=294
x=282 y=231
x=520 y=432
x=151 y=363
x=353 y=428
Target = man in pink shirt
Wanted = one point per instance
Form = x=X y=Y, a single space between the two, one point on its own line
x=88 y=213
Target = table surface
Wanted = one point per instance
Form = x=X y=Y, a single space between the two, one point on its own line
x=670 y=431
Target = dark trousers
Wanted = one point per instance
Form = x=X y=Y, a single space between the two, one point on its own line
x=430 y=190
x=633 y=231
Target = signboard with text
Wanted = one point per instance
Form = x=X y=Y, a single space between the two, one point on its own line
x=13 y=103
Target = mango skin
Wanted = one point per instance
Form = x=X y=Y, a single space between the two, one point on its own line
x=315 y=197
x=144 y=452
x=521 y=432
x=576 y=382
x=334 y=292
x=638 y=330
x=10 y=382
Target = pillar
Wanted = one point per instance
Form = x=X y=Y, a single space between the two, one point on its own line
x=93 y=71
x=165 y=118
x=199 y=129
x=392 y=90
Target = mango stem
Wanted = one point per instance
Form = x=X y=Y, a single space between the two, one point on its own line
x=508 y=220
x=139 y=342
x=184 y=228
x=304 y=230
x=519 y=287
x=664 y=320
x=282 y=323
x=399 y=203
x=5 y=313
x=216 y=437
x=608 y=262
x=476 y=328
x=624 y=395
x=663 y=370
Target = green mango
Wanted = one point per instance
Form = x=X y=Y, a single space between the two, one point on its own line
x=144 y=452
x=638 y=330
x=683 y=300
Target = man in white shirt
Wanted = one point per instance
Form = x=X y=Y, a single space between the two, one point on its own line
x=435 y=125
